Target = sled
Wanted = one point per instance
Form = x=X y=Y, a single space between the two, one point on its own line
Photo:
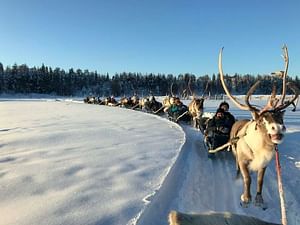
x=211 y=152
x=214 y=218
x=181 y=117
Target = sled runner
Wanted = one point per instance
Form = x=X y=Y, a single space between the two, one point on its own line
x=213 y=218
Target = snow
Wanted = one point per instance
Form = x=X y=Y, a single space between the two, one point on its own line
x=63 y=162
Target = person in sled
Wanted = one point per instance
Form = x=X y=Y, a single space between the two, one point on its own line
x=153 y=105
x=218 y=130
x=230 y=120
x=177 y=111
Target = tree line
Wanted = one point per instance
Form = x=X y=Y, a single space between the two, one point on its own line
x=45 y=80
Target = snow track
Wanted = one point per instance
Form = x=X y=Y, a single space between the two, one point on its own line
x=197 y=184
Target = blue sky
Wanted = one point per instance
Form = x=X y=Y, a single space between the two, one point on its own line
x=158 y=36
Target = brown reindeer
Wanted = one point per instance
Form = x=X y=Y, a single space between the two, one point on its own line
x=196 y=110
x=253 y=141
x=125 y=102
x=195 y=107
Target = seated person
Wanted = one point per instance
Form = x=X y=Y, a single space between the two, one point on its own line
x=153 y=104
x=178 y=109
x=218 y=130
x=230 y=120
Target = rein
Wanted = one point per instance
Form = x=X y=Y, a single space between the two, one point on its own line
x=280 y=188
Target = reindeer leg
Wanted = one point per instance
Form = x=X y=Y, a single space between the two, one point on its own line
x=259 y=201
x=195 y=122
x=294 y=105
x=246 y=196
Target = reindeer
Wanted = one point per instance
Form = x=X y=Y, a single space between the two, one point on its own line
x=143 y=102
x=110 y=101
x=90 y=100
x=195 y=107
x=167 y=101
x=196 y=110
x=125 y=102
x=151 y=105
x=253 y=141
x=135 y=100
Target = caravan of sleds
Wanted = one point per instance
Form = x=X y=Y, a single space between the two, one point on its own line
x=252 y=142
x=171 y=105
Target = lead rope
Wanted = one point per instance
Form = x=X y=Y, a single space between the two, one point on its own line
x=280 y=188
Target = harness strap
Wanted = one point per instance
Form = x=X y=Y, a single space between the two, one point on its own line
x=243 y=135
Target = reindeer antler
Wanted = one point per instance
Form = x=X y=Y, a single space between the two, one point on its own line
x=286 y=62
x=296 y=91
x=247 y=97
x=272 y=102
x=190 y=89
x=172 y=94
x=238 y=104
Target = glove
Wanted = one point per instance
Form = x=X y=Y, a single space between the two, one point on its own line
x=223 y=130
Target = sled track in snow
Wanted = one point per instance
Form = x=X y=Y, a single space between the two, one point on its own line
x=197 y=184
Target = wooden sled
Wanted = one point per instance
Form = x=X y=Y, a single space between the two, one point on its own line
x=213 y=218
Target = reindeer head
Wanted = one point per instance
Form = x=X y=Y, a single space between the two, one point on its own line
x=271 y=124
x=269 y=119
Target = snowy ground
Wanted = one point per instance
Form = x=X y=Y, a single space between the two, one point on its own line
x=67 y=163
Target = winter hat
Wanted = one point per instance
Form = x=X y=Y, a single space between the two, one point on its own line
x=225 y=104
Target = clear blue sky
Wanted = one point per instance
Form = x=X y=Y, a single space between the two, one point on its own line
x=159 y=36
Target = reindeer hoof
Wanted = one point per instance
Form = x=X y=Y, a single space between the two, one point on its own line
x=245 y=199
x=244 y=205
x=259 y=199
x=259 y=202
